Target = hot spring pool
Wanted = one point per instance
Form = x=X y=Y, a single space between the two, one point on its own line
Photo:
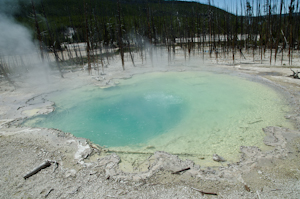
x=195 y=114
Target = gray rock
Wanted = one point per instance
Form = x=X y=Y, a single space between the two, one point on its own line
x=218 y=158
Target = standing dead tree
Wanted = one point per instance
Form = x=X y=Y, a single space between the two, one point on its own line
x=120 y=38
x=209 y=24
x=291 y=46
x=38 y=30
x=2 y=70
x=52 y=39
x=149 y=31
x=278 y=31
x=270 y=30
x=87 y=31
x=39 y=36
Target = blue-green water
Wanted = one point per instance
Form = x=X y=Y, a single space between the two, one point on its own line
x=178 y=112
x=114 y=121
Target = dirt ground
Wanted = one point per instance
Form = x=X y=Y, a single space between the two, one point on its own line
x=80 y=169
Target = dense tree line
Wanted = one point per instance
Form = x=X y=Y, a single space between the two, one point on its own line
x=129 y=25
x=153 y=19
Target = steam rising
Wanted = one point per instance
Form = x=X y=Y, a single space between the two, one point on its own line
x=18 y=50
x=15 y=39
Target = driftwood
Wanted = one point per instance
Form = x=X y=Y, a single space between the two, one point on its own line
x=295 y=74
x=56 y=165
x=20 y=107
x=258 y=195
x=49 y=193
x=275 y=189
x=247 y=188
x=177 y=172
x=202 y=192
x=151 y=153
x=46 y=164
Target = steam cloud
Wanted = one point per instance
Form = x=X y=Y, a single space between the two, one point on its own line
x=17 y=44
x=15 y=39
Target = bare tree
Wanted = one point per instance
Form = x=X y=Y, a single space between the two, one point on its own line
x=52 y=39
x=87 y=31
x=120 y=38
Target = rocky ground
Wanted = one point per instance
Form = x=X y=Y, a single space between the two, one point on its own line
x=80 y=169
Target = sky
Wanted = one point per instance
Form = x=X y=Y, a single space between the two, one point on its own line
x=235 y=5
x=229 y=5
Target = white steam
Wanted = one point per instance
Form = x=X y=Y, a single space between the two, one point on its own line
x=19 y=53
x=15 y=39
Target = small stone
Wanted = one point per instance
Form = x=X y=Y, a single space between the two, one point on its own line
x=71 y=173
x=259 y=172
x=218 y=158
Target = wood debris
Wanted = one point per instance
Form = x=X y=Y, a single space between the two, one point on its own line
x=49 y=193
x=247 y=188
x=204 y=193
x=177 y=172
x=44 y=165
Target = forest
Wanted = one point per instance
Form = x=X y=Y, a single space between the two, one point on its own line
x=88 y=31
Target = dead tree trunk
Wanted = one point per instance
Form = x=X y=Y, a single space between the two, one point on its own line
x=279 y=28
x=52 y=39
x=87 y=38
x=291 y=10
x=44 y=165
x=120 y=35
x=6 y=76
x=38 y=30
x=295 y=74
x=131 y=56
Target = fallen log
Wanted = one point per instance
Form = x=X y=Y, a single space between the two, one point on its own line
x=177 y=172
x=49 y=193
x=46 y=164
x=203 y=192
x=151 y=153
x=295 y=74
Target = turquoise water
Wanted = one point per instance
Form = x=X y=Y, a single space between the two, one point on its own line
x=118 y=120
x=196 y=113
